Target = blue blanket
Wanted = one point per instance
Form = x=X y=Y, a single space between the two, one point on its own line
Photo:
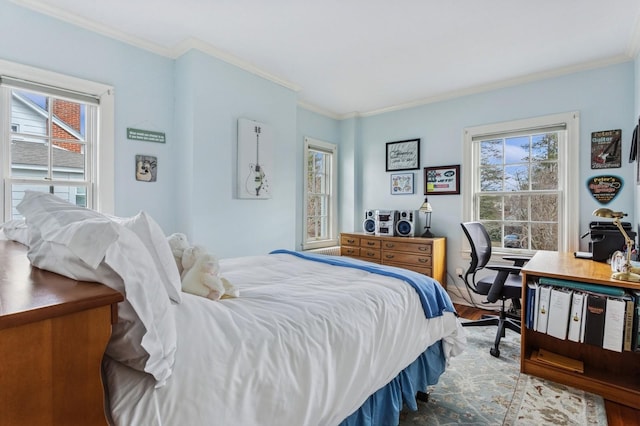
x=433 y=297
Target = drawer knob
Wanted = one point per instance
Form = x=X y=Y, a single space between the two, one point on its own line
x=371 y=243
x=389 y=256
x=351 y=241
x=422 y=248
x=422 y=260
x=390 y=245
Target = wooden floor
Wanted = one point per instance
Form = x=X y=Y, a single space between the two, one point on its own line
x=617 y=415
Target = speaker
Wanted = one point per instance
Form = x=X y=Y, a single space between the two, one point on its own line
x=405 y=223
x=369 y=223
x=385 y=222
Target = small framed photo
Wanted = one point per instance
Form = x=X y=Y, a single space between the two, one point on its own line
x=146 y=168
x=442 y=180
x=402 y=183
x=403 y=155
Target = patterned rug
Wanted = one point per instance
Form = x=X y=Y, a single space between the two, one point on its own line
x=478 y=389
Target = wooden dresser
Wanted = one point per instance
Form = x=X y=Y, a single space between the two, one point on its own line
x=424 y=255
x=53 y=333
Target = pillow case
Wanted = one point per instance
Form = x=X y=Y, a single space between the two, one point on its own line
x=84 y=245
x=154 y=239
x=16 y=230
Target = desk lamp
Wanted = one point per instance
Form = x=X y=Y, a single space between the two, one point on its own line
x=628 y=272
x=426 y=209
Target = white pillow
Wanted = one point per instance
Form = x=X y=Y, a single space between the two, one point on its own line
x=154 y=239
x=145 y=336
x=16 y=230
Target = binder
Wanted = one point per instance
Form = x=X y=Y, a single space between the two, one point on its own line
x=614 y=324
x=635 y=338
x=559 y=305
x=584 y=317
x=594 y=319
x=531 y=301
x=543 y=309
x=628 y=324
x=575 y=316
x=536 y=305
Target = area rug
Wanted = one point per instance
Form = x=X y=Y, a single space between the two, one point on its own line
x=478 y=389
x=537 y=401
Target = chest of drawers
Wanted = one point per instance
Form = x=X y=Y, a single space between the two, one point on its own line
x=424 y=255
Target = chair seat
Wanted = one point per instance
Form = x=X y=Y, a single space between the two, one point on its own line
x=512 y=287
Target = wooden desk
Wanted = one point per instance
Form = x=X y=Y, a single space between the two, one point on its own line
x=614 y=375
x=53 y=333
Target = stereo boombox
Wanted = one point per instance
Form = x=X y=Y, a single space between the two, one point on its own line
x=389 y=222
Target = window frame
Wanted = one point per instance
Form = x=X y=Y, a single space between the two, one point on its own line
x=103 y=165
x=332 y=222
x=568 y=174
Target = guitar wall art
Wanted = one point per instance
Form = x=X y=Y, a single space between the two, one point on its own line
x=605 y=149
x=255 y=159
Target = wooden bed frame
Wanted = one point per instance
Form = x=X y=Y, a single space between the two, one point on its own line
x=53 y=334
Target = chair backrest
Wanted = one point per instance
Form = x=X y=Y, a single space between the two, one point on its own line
x=480 y=244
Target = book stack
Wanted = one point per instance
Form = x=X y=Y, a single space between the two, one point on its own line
x=608 y=317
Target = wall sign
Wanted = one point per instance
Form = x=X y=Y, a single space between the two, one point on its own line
x=145 y=135
x=605 y=149
x=604 y=188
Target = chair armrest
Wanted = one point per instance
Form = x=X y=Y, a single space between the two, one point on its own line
x=517 y=260
x=498 y=283
x=511 y=269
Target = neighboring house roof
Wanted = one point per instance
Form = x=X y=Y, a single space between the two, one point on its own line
x=36 y=154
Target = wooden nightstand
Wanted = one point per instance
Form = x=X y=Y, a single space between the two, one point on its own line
x=53 y=333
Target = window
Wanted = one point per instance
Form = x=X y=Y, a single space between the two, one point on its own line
x=320 y=196
x=521 y=185
x=56 y=136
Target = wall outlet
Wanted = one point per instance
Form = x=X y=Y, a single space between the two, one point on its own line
x=458 y=272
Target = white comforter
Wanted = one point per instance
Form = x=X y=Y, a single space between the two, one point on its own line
x=305 y=344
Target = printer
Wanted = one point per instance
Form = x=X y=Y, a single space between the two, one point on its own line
x=606 y=238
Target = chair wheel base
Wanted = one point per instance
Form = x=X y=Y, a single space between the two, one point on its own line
x=422 y=396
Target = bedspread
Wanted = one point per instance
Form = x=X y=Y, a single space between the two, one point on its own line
x=305 y=344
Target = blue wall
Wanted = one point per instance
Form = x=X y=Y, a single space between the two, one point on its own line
x=604 y=98
x=143 y=96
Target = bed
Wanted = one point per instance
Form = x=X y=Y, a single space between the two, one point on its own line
x=312 y=339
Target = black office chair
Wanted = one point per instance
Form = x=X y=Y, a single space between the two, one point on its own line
x=503 y=286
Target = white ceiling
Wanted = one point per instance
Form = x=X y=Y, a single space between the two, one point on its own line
x=364 y=56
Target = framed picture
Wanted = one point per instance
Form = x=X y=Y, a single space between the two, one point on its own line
x=606 y=149
x=403 y=155
x=442 y=180
x=146 y=168
x=255 y=159
x=401 y=183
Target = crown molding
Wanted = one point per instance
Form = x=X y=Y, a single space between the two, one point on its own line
x=194 y=43
x=503 y=84
x=633 y=50
x=42 y=7
x=173 y=52
x=318 y=110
